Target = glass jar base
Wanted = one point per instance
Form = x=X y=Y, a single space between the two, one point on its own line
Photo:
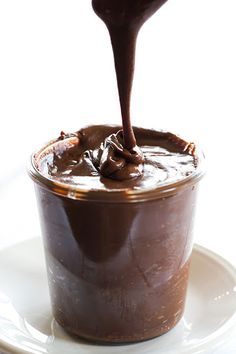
x=115 y=339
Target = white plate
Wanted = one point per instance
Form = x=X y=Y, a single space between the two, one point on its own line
x=27 y=326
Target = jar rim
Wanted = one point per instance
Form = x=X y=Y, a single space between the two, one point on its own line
x=71 y=191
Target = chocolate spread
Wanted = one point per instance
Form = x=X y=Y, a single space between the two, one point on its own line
x=117 y=271
x=97 y=150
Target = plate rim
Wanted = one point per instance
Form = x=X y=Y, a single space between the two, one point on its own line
x=216 y=338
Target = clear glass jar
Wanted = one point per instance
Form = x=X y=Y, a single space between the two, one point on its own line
x=117 y=262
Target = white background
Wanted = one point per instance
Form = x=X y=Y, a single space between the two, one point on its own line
x=56 y=73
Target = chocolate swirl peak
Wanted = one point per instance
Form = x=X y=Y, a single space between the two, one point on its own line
x=113 y=160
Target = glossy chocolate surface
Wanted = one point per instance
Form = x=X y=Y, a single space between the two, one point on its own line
x=166 y=159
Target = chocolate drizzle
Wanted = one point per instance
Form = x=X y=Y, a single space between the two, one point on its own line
x=108 y=153
x=123 y=19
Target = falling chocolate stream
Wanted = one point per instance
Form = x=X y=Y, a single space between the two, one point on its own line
x=123 y=19
x=117 y=156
